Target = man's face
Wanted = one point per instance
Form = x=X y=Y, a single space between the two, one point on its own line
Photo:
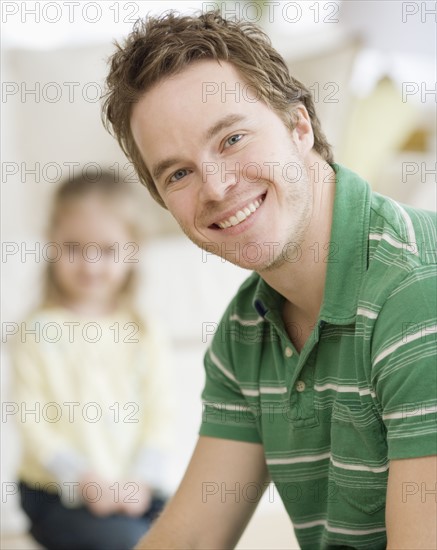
x=227 y=168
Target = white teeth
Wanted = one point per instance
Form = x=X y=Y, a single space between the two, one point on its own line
x=241 y=215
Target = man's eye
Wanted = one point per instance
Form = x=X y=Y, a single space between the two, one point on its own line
x=233 y=139
x=178 y=175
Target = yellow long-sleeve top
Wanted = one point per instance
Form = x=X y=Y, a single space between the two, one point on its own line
x=93 y=395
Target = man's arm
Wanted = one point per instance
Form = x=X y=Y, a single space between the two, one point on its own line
x=214 y=502
x=411 y=510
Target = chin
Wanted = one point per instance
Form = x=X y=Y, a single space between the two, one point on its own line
x=256 y=264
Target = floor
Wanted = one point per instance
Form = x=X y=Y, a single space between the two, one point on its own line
x=18 y=542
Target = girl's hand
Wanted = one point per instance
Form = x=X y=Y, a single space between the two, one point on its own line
x=135 y=498
x=97 y=495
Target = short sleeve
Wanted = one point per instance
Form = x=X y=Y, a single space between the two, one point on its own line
x=404 y=365
x=225 y=412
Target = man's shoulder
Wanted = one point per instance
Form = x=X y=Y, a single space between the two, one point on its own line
x=402 y=260
x=402 y=235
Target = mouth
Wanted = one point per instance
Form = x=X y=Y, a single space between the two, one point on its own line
x=240 y=215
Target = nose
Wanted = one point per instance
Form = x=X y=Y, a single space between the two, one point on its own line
x=90 y=262
x=217 y=179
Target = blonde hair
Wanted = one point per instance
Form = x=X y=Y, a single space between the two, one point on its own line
x=116 y=194
x=159 y=47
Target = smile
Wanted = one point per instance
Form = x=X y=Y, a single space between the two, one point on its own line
x=241 y=215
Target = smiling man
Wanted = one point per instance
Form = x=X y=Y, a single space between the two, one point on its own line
x=322 y=373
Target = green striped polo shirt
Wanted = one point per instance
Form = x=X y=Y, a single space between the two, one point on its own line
x=362 y=391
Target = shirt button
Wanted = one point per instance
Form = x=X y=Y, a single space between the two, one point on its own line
x=288 y=352
x=300 y=385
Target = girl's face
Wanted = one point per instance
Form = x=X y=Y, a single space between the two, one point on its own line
x=97 y=254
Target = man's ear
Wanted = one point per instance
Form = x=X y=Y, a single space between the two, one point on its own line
x=303 y=131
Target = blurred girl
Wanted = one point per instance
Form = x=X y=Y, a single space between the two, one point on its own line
x=90 y=380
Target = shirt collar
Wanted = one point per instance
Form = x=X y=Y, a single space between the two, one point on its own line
x=349 y=235
x=347 y=260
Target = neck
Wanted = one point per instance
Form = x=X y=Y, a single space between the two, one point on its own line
x=90 y=308
x=302 y=282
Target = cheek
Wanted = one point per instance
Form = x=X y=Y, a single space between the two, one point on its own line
x=63 y=269
x=252 y=172
x=258 y=163
x=182 y=205
x=118 y=271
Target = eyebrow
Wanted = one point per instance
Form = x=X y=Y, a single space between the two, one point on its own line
x=210 y=133
x=162 y=166
x=222 y=124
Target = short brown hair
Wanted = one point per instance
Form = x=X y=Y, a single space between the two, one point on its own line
x=159 y=47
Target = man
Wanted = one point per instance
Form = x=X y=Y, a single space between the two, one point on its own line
x=322 y=373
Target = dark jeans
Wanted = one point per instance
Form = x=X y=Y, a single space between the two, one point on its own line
x=57 y=527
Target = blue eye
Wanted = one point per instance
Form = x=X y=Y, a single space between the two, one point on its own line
x=177 y=176
x=234 y=139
